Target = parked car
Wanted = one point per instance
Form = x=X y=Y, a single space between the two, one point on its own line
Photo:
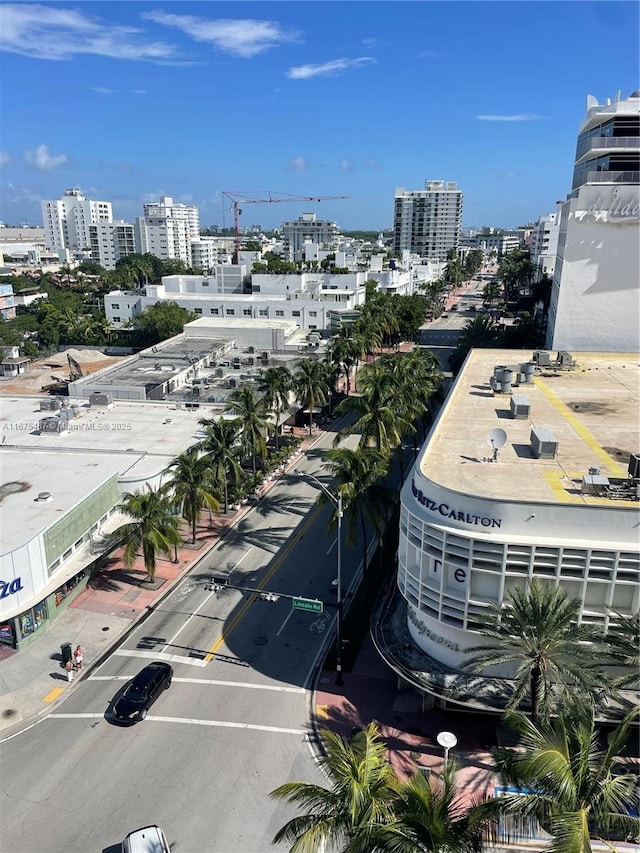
x=149 y=839
x=141 y=692
x=454 y=307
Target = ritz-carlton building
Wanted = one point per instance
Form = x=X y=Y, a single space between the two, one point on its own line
x=515 y=482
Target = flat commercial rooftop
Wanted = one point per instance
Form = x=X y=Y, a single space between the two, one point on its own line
x=129 y=440
x=592 y=411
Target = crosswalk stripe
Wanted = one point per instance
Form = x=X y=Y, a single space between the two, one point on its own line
x=209 y=681
x=191 y=722
x=144 y=653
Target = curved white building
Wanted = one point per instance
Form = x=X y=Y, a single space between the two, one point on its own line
x=473 y=528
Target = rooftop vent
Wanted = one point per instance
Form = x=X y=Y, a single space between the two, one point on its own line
x=520 y=407
x=44 y=497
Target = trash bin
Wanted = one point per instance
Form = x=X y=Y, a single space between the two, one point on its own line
x=65 y=648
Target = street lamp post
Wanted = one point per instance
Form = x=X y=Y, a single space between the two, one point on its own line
x=336 y=500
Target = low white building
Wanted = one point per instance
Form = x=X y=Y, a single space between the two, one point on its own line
x=544 y=244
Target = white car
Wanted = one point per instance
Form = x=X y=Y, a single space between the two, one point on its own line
x=149 y=839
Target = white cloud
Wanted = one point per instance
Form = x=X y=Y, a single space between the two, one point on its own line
x=18 y=194
x=139 y=91
x=298 y=164
x=48 y=32
x=243 y=38
x=42 y=161
x=517 y=117
x=102 y=90
x=5 y=158
x=327 y=69
x=374 y=163
x=347 y=164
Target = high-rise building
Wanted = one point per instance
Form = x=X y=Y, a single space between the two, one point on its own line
x=167 y=228
x=427 y=222
x=595 y=300
x=307 y=229
x=110 y=241
x=66 y=220
x=544 y=244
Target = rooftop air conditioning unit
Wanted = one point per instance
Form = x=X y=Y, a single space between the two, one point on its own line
x=520 y=407
x=543 y=443
x=634 y=466
x=53 y=404
x=542 y=358
x=565 y=359
x=99 y=399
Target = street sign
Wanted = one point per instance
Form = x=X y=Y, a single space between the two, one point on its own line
x=311 y=605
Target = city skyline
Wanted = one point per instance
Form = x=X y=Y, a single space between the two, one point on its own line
x=133 y=101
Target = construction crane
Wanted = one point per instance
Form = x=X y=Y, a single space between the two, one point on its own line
x=237 y=198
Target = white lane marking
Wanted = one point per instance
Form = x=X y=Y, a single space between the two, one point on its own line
x=143 y=653
x=237 y=563
x=189 y=618
x=333 y=545
x=287 y=617
x=208 y=681
x=190 y=722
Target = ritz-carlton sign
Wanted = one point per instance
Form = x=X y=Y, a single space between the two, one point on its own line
x=449 y=512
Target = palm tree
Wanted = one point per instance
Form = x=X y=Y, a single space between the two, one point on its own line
x=360 y=796
x=250 y=410
x=276 y=384
x=481 y=331
x=569 y=778
x=311 y=387
x=623 y=649
x=538 y=631
x=221 y=449
x=190 y=486
x=364 y=498
x=431 y=816
x=154 y=528
x=375 y=411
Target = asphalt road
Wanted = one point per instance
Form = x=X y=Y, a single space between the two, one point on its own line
x=441 y=335
x=233 y=725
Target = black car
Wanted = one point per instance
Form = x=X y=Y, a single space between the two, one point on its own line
x=141 y=692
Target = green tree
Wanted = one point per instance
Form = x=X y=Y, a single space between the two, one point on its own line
x=358 y=474
x=571 y=778
x=622 y=648
x=310 y=386
x=221 y=447
x=154 y=528
x=360 y=796
x=190 y=486
x=163 y=320
x=537 y=631
x=249 y=408
x=276 y=386
x=479 y=332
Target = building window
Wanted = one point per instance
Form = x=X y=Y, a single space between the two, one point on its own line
x=279 y=313
x=247 y=312
x=115 y=306
x=213 y=311
x=230 y=312
x=116 y=319
x=313 y=313
x=263 y=312
x=295 y=313
x=32 y=619
x=197 y=311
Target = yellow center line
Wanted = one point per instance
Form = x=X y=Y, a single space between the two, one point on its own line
x=615 y=469
x=228 y=629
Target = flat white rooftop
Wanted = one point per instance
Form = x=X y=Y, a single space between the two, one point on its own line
x=130 y=440
x=592 y=411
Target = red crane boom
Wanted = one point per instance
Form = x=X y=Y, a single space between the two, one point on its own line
x=237 y=198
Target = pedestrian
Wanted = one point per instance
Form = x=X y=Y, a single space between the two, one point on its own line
x=69 y=667
x=78 y=658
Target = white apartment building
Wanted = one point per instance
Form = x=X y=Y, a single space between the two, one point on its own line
x=307 y=229
x=544 y=244
x=427 y=222
x=208 y=252
x=110 y=241
x=304 y=299
x=66 y=220
x=595 y=300
x=167 y=228
x=496 y=244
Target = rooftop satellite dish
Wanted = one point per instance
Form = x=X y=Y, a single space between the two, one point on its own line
x=496 y=439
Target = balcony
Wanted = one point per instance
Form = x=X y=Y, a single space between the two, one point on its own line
x=612 y=178
x=602 y=144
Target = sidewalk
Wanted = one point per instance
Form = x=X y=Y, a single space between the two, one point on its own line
x=33 y=680
x=370 y=693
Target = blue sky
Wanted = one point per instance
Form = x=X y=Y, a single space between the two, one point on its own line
x=131 y=100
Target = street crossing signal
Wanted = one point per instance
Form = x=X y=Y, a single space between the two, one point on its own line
x=269 y=596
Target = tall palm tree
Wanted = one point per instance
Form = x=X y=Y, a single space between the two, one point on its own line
x=276 y=385
x=375 y=411
x=154 y=528
x=430 y=816
x=538 y=631
x=364 y=498
x=623 y=649
x=190 y=486
x=570 y=778
x=359 y=797
x=249 y=408
x=311 y=387
x=221 y=448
